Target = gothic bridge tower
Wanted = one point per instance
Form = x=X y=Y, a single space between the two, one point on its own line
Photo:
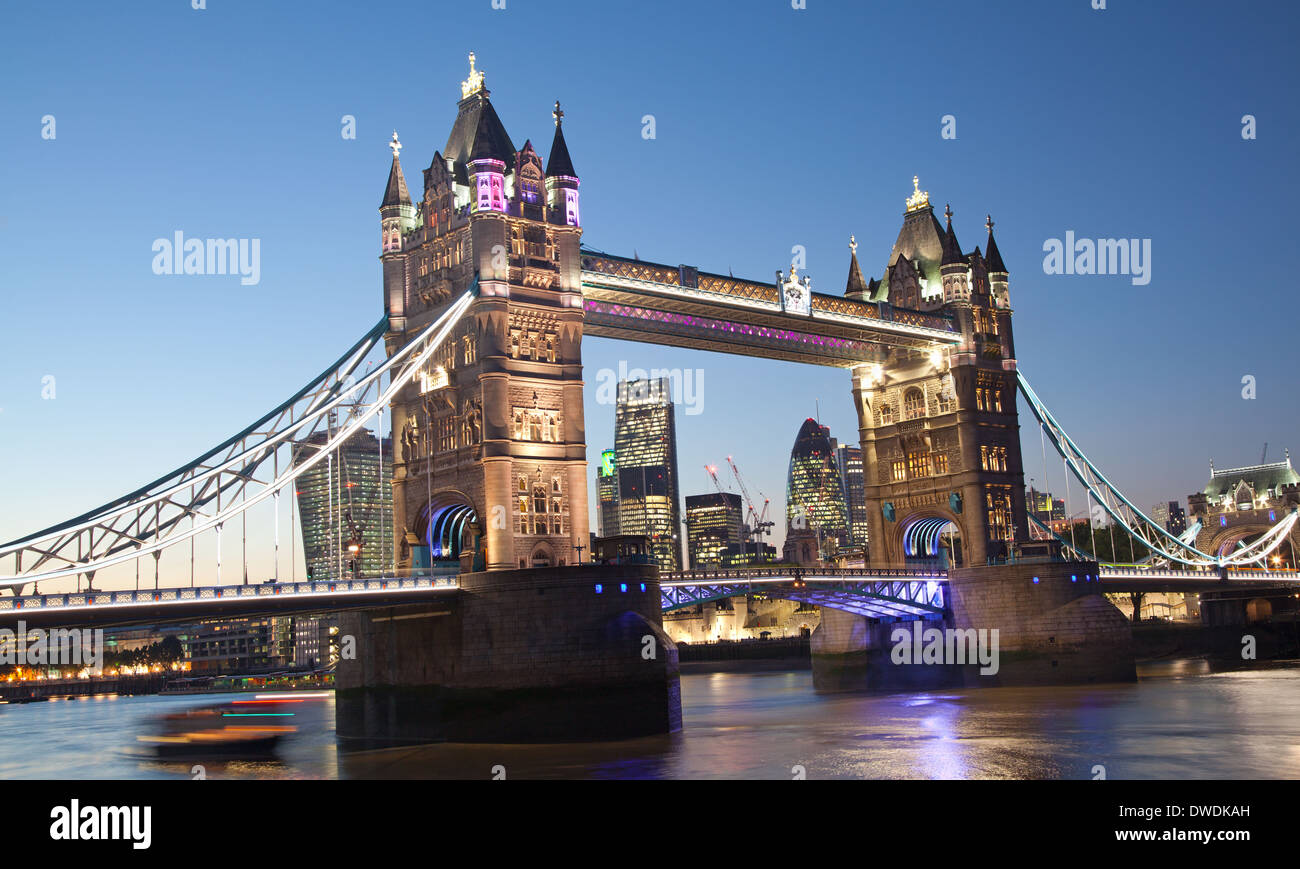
x=940 y=432
x=490 y=454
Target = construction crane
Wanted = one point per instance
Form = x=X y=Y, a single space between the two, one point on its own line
x=713 y=473
x=759 y=523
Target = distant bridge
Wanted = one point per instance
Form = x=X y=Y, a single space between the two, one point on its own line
x=873 y=592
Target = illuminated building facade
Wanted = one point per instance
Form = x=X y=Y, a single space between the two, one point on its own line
x=714 y=527
x=344 y=501
x=494 y=420
x=645 y=447
x=849 y=461
x=1238 y=505
x=607 y=494
x=814 y=494
x=940 y=432
x=1047 y=510
x=312 y=641
x=241 y=645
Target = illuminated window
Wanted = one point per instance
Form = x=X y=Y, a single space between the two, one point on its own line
x=913 y=404
x=918 y=465
x=900 y=471
x=940 y=463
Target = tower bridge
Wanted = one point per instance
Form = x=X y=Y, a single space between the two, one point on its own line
x=487 y=292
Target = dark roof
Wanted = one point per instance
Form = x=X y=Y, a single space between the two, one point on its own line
x=856 y=283
x=558 y=162
x=951 y=249
x=396 y=193
x=478 y=134
x=921 y=239
x=1261 y=478
x=993 y=257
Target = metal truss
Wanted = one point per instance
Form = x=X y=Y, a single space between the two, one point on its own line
x=1162 y=543
x=241 y=472
x=877 y=593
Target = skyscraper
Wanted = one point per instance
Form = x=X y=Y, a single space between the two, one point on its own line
x=607 y=494
x=849 y=461
x=345 y=500
x=814 y=494
x=714 y=522
x=645 y=447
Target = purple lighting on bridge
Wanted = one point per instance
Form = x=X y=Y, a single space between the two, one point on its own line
x=695 y=322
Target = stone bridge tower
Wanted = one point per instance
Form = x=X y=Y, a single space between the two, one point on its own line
x=940 y=432
x=490 y=448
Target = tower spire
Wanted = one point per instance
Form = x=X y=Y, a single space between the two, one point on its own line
x=474 y=83
x=558 y=162
x=992 y=255
x=919 y=198
x=395 y=193
x=951 y=249
x=856 y=287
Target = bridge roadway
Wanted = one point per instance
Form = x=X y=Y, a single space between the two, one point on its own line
x=878 y=593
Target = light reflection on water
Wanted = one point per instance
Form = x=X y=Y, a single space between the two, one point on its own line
x=1182 y=720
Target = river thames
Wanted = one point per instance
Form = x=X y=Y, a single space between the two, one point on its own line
x=1182 y=719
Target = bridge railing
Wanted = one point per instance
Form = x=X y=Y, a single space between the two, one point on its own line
x=318 y=588
x=1230 y=574
x=791 y=571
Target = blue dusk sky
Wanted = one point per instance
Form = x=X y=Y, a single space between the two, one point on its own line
x=775 y=127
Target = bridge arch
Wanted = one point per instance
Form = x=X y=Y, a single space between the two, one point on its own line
x=1221 y=540
x=932 y=537
x=447 y=526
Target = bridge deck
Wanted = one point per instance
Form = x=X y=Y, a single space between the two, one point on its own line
x=89 y=609
x=683 y=307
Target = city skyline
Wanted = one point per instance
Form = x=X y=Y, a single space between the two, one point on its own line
x=184 y=408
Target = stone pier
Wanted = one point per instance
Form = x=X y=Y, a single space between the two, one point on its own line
x=518 y=655
x=1054 y=628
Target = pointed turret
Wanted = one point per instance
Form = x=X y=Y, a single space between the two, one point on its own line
x=396 y=218
x=396 y=212
x=559 y=163
x=478 y=136
x=856 y=287
x=951 y=249
x=997 y=271
x=396 y=193
x=992 y=255
x=561 y=179
x=955 y=268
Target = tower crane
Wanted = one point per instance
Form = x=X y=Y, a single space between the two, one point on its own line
x=759 y=522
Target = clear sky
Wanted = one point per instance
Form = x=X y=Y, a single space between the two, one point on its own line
x=775 y=127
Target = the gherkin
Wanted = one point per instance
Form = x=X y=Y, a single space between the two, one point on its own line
x=814 y=494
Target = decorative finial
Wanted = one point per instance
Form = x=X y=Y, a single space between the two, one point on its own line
x=395 y=145
x=919 y=198
x=557 y=114
x=947 y=212
x=853 y=245
x=474 y=83
x=989 y=222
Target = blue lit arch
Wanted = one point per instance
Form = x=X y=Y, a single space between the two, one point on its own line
x=445 y=530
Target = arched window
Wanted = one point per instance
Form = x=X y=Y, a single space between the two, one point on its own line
x=913 y=403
